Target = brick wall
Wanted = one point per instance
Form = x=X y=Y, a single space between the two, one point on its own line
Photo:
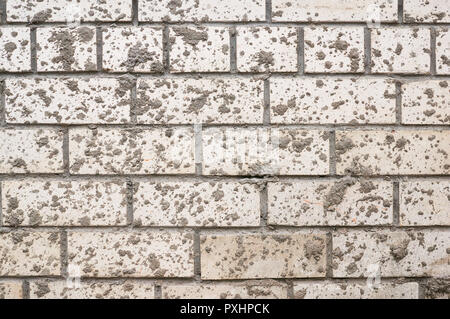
x=220 y=149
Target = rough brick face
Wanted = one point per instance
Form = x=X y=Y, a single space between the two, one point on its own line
x=30 y=254
x=262 y=256
x=195 y=101
x=266 y=49
x=132 y=254
x=197 y=204
x=325 y=100
x=408 y=290
x=199 y=49
x=132 y=49
x=336 y=10
x=426 y=102
x=68 y=101
x=394 y=253
x=205 y=149
x=31 y=151
x=400 y=50
x=342 y=202
x=66 y=49
x=424 y=203
x=393 y=153
x=148 y=151
x=15 y=54
x=128 y=289
x=202 y=10
x=334 y=50
x=60 y=203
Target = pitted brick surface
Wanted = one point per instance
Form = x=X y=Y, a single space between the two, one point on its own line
x=224 y=149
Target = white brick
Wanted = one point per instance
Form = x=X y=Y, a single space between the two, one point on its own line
x=425 y=203
x=334 y=10
x=262 y=49
x=67 y=101
x=204 y=204
x=11 y=290
x=400 y=50
x=250 y=290
x=131 y=151
x=194 y=101
x=429 y=11
x=332 y=101
x=30 y=254
x=202 y=10
x=133 y=49
x=442 y=51
x=263 y=151
x=426 y=102
x=132 y=253
x=15 y=52
x=31 y=151
x=408 y=290
x=124 y=289
x=347 y=202
x=393 y=253
x=393 y=152
x=262 y=256
x=68 y=10
x=63 y=203
x=199 y=49
x=334 y=49
x=66 y=49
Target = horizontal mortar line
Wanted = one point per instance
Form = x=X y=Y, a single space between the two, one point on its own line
x=248 y=178
x=178 y=280
x=230 y=230
x=237 y=75
x=262 y=23
x=324 y=127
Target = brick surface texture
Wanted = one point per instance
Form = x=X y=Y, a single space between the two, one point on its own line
x=224 y=149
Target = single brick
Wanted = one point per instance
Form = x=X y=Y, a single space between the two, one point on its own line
x=133 y=49
x=391 y=253
x=11 y=290
x=66 y=49
x=429 y=11
x=124 y=289
x=202 y=10
x=347 y=202
x=400 y=50
x=199 y=49
x=250 y=290
x=332 y=101
x=131 y=151
x=38 y=11
x=63 y=203
x=31 y=151
x=30 y=254
x=194 y=101
x=334 y=49
x=204 y=204
x=425 y=203
x=393 y=152
x=132 y=253
x=334 y=10
x=265 y=151
x=442 y=51
x=15 y=53
x=262 y=49
x=66 y=101
x=426 y=102
x=408 y=290
x=249 y=256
